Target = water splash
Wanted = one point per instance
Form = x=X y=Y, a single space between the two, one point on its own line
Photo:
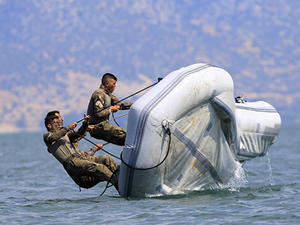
x=238 y=180
x=270 y=169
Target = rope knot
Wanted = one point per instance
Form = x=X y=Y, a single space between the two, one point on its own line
x=166 y=125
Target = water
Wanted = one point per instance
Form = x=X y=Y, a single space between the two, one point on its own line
x=34 y=189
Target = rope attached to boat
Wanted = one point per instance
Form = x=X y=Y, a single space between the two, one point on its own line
x=168 y=132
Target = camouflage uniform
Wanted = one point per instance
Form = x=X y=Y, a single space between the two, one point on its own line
x=85 y=171
x=99 y=110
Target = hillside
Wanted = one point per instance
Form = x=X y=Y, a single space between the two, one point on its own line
x=53 y=53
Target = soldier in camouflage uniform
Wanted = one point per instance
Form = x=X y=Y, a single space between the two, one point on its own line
x=101 y=104
x=86 y=171
x=75 y=142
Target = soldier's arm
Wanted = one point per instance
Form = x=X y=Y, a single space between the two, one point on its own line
x=50 y=137
x=99 y=103
x=81 y=132
x=93 y=150
x=123 y=105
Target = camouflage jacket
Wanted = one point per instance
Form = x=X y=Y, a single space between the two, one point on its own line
x=59 y=142
x=100 y=103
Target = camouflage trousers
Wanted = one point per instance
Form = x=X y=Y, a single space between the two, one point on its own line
x=89 y=171
x=110 y=133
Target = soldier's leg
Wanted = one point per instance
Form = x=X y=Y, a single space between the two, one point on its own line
x=110 y=133
x=104 y=165
x=79 y=167
x=105 y=160
x=118 y=135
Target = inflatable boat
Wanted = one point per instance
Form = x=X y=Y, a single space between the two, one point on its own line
x=189 y=132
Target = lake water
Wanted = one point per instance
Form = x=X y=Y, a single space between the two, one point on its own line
x=35 y=189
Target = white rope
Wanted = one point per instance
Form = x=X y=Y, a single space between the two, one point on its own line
x=117 y=117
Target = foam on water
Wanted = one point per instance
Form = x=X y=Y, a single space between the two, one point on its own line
x=238 y=180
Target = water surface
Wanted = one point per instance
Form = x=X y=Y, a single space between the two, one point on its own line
x=34 y=189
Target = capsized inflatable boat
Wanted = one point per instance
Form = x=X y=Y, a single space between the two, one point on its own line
x=189 y=132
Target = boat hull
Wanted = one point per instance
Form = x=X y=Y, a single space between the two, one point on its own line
x=183 y=134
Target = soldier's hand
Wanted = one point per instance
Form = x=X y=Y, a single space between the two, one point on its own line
x=115 y=108
x=72 y=126
x=90 y=127
x=99 y=146
x=87 y=117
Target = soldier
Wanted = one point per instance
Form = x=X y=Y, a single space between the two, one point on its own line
x=101 y=104
x=61 y=120
x=75 y=142
x=86 y=171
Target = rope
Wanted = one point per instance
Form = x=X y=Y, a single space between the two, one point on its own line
x=106 y=142
x=117 y=117
x=114 y=118
x=107 y=184
x=158 y=80
x=96 y=145
x=149 y=168
x=168 y=132
x=102 y=148
x=164 y=159
x=113 y=115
